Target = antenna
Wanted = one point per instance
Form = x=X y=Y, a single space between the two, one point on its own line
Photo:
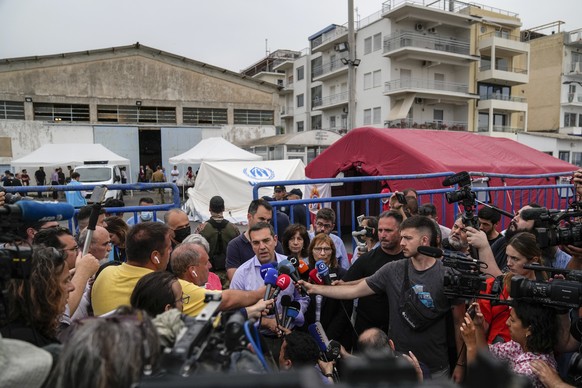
x=266 y=47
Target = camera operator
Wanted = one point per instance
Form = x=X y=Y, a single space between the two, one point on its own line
x=457 y=240
x=299 y=350
x=36 y=304
x=576 y=252
x=370 y=239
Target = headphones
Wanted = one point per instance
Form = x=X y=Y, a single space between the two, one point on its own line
x=157 y=259
x=194 y=273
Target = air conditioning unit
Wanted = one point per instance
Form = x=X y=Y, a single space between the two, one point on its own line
x=419 y=27
x=280 y=82
x=432 y=30
x=418 y=100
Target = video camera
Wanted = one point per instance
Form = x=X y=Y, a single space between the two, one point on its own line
x=464 y=195
x=556 y=227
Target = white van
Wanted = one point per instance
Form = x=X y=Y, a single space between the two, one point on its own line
x=100 y=174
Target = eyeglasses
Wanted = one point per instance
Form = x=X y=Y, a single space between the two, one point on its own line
x=185 y=299
x=75 y=248
x=322 y=249
x=322 y=225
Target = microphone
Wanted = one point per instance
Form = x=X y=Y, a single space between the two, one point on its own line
x=290 y=270
x=436 y=253
x=323 y=272
x=285 y=263
x=533 y=213
x=35 y=211
x=270 y=281
x=285 y=303
x=318 y=334
x=303 y=269
x=264 y=269
x=318 y=300
x=462 y=176
x=292 y=313
x=314 y=276
x=282 y=283
x=333 y=350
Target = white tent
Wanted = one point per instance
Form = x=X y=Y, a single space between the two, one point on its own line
x=69 y=155
x=234 y=182
x=212 y=150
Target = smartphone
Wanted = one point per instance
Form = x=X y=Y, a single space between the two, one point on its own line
x=401 y=198
x=98 y=194
x=472 y=311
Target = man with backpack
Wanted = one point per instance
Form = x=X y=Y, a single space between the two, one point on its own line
x=218 y=232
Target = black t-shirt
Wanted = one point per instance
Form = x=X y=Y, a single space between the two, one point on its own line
x=491 y=242
x=372 y=310
x=498 y=249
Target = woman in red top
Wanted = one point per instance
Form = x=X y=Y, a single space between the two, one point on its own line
x=521 y=249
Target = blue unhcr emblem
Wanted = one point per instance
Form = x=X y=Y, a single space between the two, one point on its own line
x=259 y=173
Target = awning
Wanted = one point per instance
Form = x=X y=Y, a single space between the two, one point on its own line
x=401 y=108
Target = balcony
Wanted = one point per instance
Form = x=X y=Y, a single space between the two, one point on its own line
x=329 y=70
x=286 y=111
x=501 y=128
x=439 y=12
x=288 y=86
x=437 y=124
x=329 y=102
x=574 y=69
x=428 y=88
x=573 y=99
x=428 y=47
x=505 y=45
x=502 y=75
x=330 y=36
x=502 y=102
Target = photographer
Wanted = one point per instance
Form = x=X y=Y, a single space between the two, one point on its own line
x=36 y=304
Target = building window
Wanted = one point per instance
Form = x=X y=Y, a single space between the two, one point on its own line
x=204 y=116
x=254 y=117
x=577 y=158
x=367 y=116
x=438 y=115
x=300 y=100
x=367 y=81
x=564 y=155
x=569 y=119
x=300 y=126
x=316 y=96
x=316 y=122
x=11 y=110
x=377 y=42
x=332 y=123
x=61 y=112
x=368 y=45
x=377 y=115
x=125 y=114
x=300 y=73
x=377 y=78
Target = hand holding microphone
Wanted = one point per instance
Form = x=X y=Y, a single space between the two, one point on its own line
x=323 y=272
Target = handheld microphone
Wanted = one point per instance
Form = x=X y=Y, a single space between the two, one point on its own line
x=270 y=281
x=318 y=334
x=292 y=313
x=293 y=260
x=314 y=276
x=285 y=303
x=285 y=263
x=333 y=350
x=264 y=269
x=35 y=211
x=303 y=269
x=282 y=283
x=323 y=272
x=290 y=270
x=451 y=259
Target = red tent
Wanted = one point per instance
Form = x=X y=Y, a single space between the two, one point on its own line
x=392 y=151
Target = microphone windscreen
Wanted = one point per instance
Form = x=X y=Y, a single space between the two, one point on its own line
x=322 y=268
x=271 y=276
x=318 y=334
x=264 y=269
x=303 y=267
x=283 y=281
x=34 y=211
x=283 y=262
x=313 y=275
x=430 y=251
x=286 y=300
x=283 y=269
x=292 y=312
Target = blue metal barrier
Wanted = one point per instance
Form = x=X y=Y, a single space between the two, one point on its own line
x=174 y=196
x=555 y=196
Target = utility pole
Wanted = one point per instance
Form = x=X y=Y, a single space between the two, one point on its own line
x=351 y=67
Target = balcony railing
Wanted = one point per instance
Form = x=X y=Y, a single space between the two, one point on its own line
x=436 y=124
x=334 y=99
x=501 y=97
x=329 y=36
x=501 y=34
x=487 y=66
x=573 y=97
x=501 y=128
x=419 y=83
x=328 y=67
x=448 y=5
x=431 y=42
x=287 y=111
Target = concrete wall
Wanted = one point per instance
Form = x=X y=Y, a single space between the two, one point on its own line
x=544 y=87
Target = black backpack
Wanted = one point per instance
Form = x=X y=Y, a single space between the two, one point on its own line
x=218 y=251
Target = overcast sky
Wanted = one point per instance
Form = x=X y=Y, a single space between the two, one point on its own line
x=225 y=33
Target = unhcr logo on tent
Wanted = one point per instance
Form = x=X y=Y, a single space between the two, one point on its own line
x=259 y=173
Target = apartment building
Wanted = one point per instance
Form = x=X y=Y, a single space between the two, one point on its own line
x=447 y=65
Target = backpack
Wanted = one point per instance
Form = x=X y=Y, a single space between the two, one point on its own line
x=218 y=251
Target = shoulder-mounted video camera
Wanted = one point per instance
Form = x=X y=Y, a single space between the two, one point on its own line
x=555 y=227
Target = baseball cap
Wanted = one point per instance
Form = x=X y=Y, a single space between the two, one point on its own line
x=280 y=187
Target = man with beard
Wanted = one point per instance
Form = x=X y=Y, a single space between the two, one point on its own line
x=457 y=240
